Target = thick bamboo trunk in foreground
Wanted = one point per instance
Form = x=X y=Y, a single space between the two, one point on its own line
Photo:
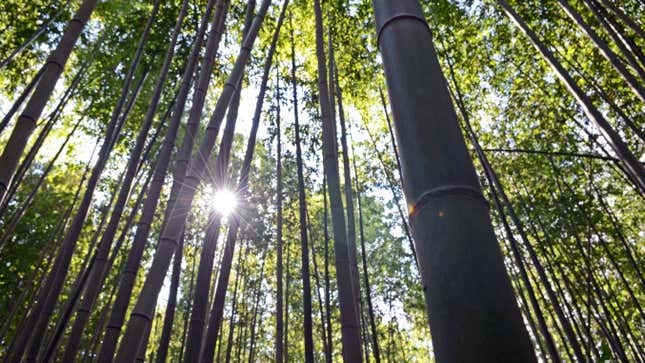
x=469 y=299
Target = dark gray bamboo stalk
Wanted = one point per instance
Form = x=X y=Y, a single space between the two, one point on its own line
x=627 y=52
x=127 y=280
x=279 y=333
x=100 y=267
x=23 y=209
x=20 y=100
x=604 y=49
x=256 y=310
x=53 y=249
x=457 y=264
x=169 y=315
x=187 y=310
x=368 y=287
x=286 y=303
x=205 y=269
x=140 y=317
x=323 y=324
x=44 y=308
x=217 y=310
x=499 y=194
x=234 y=306
x=329 y=352
x=63 y=7
x=52 y=119
x=634 y=167
x=625 y=18
x=350 y=329
x=53 y=68
x=304 y=245
x=349 y=194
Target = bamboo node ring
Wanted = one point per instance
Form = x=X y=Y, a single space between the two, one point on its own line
x=457 y=189
x=395 y=17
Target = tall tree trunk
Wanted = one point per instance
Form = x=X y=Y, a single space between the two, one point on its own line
x=84 y=278
x=499 y=193
x=20 y=100
x=37 y=33
x=321 y=306
x=257 y=311
x=631 y=58
x=457 y=264
x=44 y=308
x=53 y=68
x=279 y=333
x=604 y=49
x=634 y=167
x=368 y=287
x=52 y=119
x=17 y=217
x=286 y=303
x=329 y=352
x=127 y=281
x=351 y=336
x=625 y=18
x=304 y=243
x=234 y=306
x=187 y=310
x=205 y=269
x=171 y=233
x=55 y=242
x=349 y=195
x=169 y=316
x=101 y=268
x=217 y=310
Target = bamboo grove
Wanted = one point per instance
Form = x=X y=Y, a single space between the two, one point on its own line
x=322 y=181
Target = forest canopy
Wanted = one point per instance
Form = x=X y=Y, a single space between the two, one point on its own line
x=322 y=180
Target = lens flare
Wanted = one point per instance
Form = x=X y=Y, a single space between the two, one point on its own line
x=224 y=201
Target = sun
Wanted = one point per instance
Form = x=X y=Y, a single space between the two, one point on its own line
x=224 y=201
